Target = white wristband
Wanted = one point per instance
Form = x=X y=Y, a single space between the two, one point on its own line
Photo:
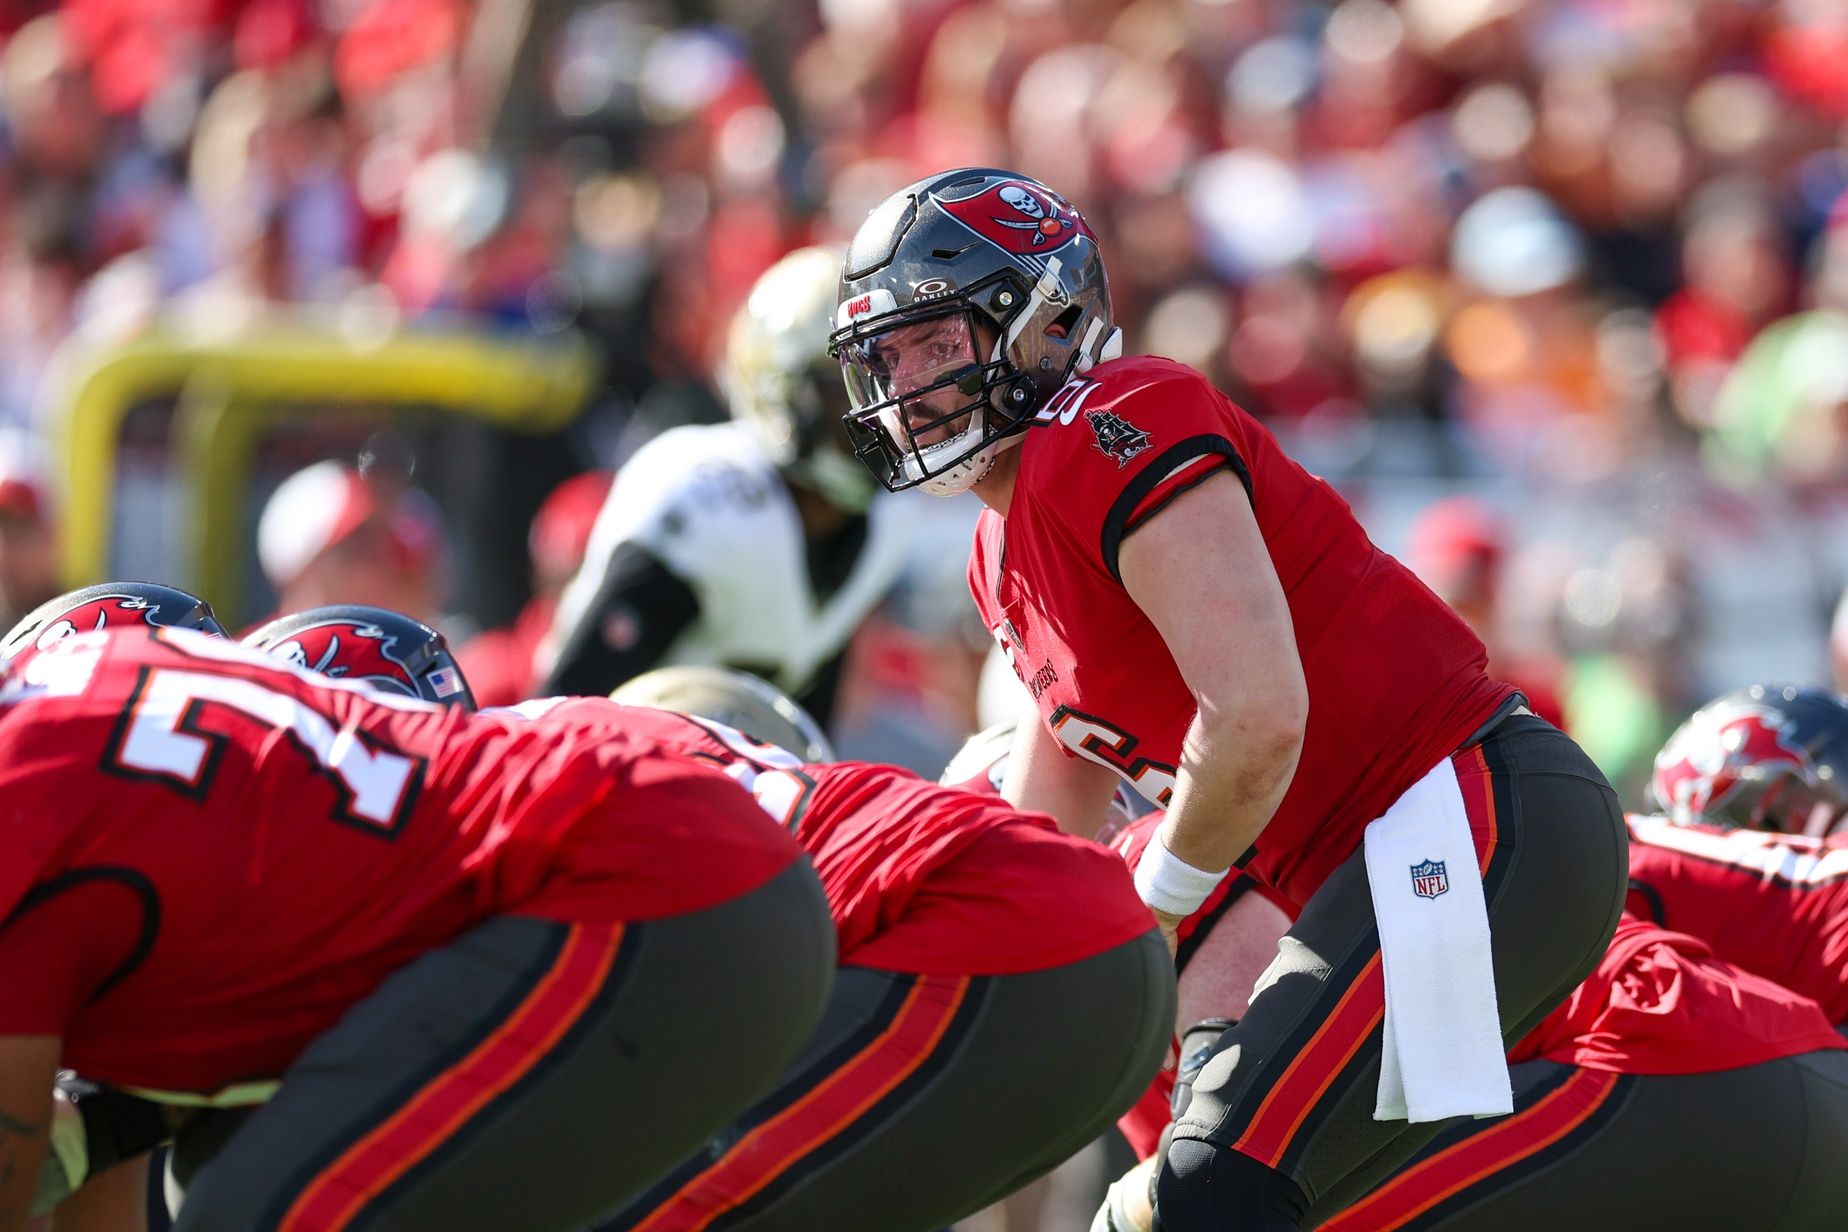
x=1168 y=883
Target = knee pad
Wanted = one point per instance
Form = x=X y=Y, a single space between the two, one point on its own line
x=1200 y=1042
x=1208 y=1188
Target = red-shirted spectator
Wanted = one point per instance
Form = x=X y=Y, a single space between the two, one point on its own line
x=328 y=535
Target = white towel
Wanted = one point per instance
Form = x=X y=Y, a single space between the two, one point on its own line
x=1443 y=1049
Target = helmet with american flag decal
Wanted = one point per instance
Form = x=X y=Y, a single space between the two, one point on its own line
x=373 y=645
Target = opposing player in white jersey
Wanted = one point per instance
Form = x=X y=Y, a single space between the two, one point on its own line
x=755 y=544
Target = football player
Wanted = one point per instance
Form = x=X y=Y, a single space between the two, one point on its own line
x=371 y=645
x=447 y=953
x=755 y=544
x=1749 y=790
x=1002 y=993
x=1671 y=1089
x=364 y=645
x=1192 y=611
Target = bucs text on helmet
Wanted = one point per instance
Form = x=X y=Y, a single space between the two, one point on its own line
x=1766 y=757
x=740 y=701
x=373 y=645
x=779 y=377
x=967 y=300
x=109 y=605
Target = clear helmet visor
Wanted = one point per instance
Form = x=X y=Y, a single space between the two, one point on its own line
x=918 y=390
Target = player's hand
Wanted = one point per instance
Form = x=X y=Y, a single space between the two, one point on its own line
x=1126 y=1205
x=1170 y=925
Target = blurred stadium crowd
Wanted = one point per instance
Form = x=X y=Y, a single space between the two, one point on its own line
x=1556 y=291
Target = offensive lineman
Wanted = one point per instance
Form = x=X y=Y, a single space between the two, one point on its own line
x=1002 y=994
x=458 y=944
x=1749 y=789
x=1192 y=611
x=1001 y=987
x=755 y=544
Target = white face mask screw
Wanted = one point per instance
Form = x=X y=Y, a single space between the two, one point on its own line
x=1005 y=299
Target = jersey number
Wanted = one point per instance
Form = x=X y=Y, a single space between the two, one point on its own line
x=1095 y=740
x=162 y=736
x=1065 y=404
x=772 y=775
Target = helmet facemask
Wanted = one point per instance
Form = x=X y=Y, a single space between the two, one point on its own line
x=926 y=387
x=819 y=453
x=779 y=378
x=939 y=391
x=1000 y=258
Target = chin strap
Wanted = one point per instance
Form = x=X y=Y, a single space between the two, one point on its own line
x=1091 y=352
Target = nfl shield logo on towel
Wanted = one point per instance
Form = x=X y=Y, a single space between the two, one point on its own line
x=1428 y=879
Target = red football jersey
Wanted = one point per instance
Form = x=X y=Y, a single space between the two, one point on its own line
x=1775 y=904
x=282 y=842
x=920 y=878
x=1661 y=1003
x=1396 y=680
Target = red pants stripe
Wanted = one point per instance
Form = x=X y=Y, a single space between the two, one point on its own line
x=835 y=1103
x=1504 y=1143
x=421 y=1125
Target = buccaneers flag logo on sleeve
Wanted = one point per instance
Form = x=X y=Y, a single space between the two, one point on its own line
x=1117 y=437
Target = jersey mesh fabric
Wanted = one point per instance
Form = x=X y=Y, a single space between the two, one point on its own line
x=920 y=878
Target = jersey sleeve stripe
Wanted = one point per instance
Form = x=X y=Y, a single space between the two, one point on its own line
x=1132 y=506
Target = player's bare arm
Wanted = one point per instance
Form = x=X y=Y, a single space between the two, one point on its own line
x=28 y=1067
x=1042 y=778
x=112 y=1201
x=1223 y=617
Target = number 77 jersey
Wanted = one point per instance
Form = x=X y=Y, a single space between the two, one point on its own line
x=235 y=851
